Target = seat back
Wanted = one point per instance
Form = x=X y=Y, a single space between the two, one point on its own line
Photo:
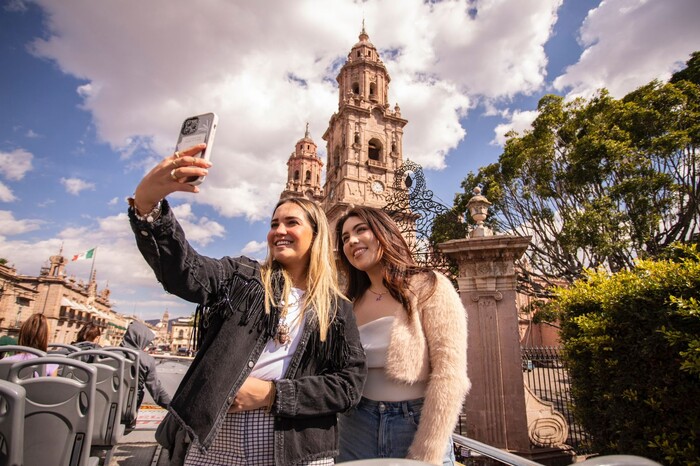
x=59 y=411
x=61 y=348
x=107 y=429
x=132 y=359
x=5 y=364
x=12 y=399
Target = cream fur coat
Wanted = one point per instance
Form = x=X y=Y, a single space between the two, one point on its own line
x=432 y=348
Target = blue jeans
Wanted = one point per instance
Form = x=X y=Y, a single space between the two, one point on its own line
x=381 y=429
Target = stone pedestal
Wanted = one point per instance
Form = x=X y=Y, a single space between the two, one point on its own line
x=495 y=407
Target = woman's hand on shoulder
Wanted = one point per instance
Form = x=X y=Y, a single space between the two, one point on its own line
x=169 y=176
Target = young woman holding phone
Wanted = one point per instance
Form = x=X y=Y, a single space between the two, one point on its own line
x=280 y=353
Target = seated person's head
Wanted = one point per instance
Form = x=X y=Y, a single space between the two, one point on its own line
x=90 y=333
x=34 y=332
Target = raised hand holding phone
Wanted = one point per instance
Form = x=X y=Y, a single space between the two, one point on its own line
x=169 y=176
x=197 y=130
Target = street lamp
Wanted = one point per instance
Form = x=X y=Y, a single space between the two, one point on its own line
x=478 y=207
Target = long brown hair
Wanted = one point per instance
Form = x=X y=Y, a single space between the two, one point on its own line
x=34 y=332
x=394 y=255
x=90 y=332
x=321 y=274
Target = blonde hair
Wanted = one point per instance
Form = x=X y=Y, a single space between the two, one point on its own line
x=321 y=274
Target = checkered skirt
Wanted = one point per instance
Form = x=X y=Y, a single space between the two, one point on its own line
x=245 y=438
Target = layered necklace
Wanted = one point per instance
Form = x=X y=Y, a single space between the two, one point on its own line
x=379 y=296
x=282 y=336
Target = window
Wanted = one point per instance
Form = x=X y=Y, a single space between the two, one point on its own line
x=22 y=301
x=296 y=175
x=308 y=176
x=374 y=149
x=355 y=88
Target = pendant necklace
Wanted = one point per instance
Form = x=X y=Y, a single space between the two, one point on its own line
x=379 y=296
x=282 y=336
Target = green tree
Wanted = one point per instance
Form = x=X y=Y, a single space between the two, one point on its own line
x=598 y=182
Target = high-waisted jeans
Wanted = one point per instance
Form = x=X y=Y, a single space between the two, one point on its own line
x=381 y=429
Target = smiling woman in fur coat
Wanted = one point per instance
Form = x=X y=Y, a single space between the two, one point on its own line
x=413 y=328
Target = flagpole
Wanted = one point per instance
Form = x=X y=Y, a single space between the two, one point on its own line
x=92 y=267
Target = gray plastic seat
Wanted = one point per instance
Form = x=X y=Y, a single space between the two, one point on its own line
x=59 y=411
x=12 y=399
x=5 y=364
x=131 y=382
x=107 y=428
x=61 y=348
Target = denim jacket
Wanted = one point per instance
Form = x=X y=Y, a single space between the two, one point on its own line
x=324 y=378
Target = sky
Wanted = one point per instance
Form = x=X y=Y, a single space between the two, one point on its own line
x=92 y=95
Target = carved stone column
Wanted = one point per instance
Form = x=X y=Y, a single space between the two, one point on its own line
x=495 y=408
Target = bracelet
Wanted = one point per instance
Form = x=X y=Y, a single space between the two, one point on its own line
x=150 y=217
x=270 y=403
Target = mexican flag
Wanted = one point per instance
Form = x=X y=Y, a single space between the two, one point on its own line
x=85 y=255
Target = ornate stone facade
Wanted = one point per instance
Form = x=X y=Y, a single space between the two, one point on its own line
x=304 y=171
x=66 y=302
x=364 y=139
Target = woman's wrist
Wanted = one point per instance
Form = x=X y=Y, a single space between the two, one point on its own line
x=143 y=214
x=271 y=396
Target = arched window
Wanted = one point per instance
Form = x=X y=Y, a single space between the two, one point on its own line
x=372 y=91
x=355 y=88
x=181 y=334
x=308 y=176
x=296 y=175
x=374 y=149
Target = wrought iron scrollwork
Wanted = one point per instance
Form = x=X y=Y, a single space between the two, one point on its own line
x=415 y=211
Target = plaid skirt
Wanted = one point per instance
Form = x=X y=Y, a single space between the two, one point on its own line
x=245 y=439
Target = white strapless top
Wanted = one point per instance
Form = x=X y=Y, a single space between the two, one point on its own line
x=375 y=337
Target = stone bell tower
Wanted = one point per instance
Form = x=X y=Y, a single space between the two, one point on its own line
x=304 y=171
x=364 y=137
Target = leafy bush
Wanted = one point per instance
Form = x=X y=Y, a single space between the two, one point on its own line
x=632 y=344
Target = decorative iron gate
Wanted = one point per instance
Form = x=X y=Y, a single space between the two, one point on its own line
x=417 y=214
x=545 y=373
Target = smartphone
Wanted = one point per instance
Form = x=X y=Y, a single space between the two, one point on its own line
x=196 y=130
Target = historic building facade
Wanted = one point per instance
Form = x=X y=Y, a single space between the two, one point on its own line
x=304 y=169
x=363 y=140
x=66 y=302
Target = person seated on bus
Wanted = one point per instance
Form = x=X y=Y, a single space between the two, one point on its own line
x=88 y=336
x=34 y=333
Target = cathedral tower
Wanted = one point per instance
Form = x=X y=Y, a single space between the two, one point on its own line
x=304 y=171
x=364 y=137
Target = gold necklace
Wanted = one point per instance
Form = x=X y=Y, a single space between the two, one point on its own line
x=378 y=295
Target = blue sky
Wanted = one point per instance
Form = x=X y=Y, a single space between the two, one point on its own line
x=92 y=95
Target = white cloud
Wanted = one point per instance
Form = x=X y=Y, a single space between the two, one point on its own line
x=9 y=225
x=241 y=68
x=15 y=164
x=201 y=231
x=6 y=194
x=75 y=185
x=630 y=42
x=518 y=121
x=255 y=247
x=113 y=201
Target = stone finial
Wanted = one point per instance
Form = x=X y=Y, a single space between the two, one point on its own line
x=306 y=135
x=478 y=207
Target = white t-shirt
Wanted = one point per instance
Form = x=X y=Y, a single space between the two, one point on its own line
x=275 y=358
